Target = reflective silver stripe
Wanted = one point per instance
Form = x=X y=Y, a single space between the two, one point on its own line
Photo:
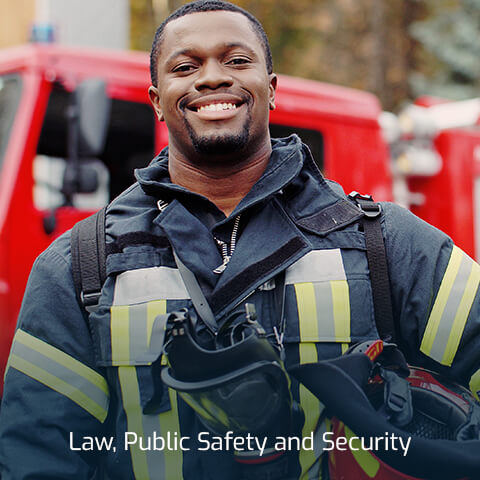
x=452 y=306
x=325 y=317
x=138 y=330
x=60 y=372
x=317 y=266
x=146 y=284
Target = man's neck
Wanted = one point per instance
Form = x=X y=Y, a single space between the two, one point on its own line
x=222 y=183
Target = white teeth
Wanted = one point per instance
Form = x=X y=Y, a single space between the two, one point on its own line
x=216 y=107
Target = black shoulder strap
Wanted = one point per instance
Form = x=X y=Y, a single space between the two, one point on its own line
x=377 y=263
x=88 y=246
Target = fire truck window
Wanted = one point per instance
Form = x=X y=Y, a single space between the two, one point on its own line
x=129 y=144
x=313 y=138
x=10 y=92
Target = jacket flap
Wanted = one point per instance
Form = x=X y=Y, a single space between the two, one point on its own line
x=136 y=335
x=331 y=218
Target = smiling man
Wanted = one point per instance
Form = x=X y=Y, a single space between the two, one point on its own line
x=250 y=219
x=214 y=86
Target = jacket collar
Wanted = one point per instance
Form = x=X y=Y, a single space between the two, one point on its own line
x=289 y=156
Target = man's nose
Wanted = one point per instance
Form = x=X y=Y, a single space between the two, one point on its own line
x=213 y=75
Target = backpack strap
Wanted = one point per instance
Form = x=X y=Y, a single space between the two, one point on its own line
x=377 y=264
x=88 y=247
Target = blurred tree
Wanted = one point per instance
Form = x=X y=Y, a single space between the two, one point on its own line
x=142 y=24
x=358 y=43
x=362 y=44
x=451 y=41
x=174 y=4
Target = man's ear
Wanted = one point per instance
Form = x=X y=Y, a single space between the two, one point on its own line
x=154 y=98
x=272 y=90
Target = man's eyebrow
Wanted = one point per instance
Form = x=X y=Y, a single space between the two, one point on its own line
x=241 y=45
x=191 y=52
x=184 y=51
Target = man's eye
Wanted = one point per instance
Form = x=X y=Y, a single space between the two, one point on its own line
x=183 y=68
x=238 y=61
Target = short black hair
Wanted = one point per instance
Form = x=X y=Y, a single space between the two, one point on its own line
x=206 y=6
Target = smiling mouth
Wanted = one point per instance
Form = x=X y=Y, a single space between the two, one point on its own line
x=216 y=107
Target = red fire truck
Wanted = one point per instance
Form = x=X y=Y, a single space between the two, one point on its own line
x=51 y=175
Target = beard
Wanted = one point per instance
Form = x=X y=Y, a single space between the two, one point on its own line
x=219 y=144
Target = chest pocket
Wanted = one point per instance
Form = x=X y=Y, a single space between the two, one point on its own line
x=141 y=297
x=317 y=295
x=131 y=334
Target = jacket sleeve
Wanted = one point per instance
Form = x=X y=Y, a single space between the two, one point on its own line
x=54 y=395
x=435 y=295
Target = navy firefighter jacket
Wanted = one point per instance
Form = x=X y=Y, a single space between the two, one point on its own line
x=83 y=396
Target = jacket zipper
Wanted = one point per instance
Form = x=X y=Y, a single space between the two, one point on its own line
x=224 y=246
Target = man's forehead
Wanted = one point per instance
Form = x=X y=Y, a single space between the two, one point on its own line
x=231 y=26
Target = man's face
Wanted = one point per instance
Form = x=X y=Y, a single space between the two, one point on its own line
x=214 y=91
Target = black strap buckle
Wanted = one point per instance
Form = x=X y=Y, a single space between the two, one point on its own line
x=397 y=397
x=90 y=300
x=367 y=204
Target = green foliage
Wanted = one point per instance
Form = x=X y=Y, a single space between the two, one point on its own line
x=451 y=40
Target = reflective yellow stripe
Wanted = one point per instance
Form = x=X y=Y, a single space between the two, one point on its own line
x=307 y=311
x=311 y=408
x=60 y=372
x=147 y=464
x=307 y=316
x=119 y=331
x=475 y=384
x=368 y=463
x=198 y=407
x=451 y=308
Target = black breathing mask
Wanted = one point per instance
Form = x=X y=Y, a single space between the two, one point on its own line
x=234 y=379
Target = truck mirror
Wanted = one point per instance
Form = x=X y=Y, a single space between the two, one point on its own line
x=93 y=116
x=81 y=178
